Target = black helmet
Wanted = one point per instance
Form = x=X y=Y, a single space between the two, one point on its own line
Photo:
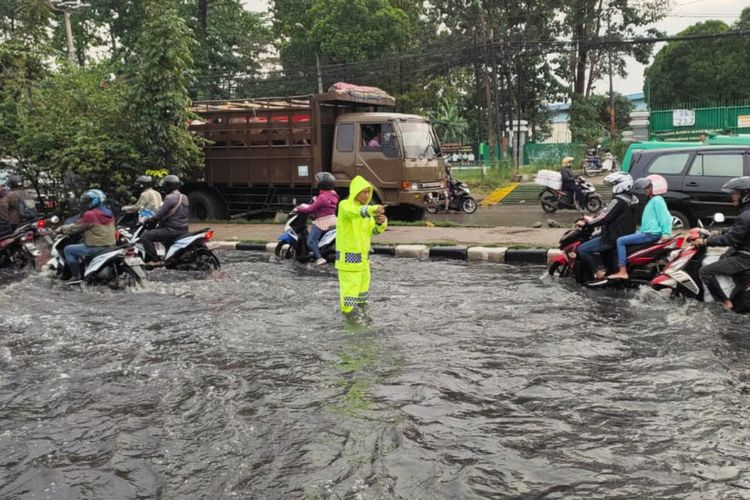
x=325 y=180
x=170 y=183
x=741 y=184
x=14 y=181
x=144 y=181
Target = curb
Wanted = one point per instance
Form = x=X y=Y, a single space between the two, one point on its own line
x=497 y=255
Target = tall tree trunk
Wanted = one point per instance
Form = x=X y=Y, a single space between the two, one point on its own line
x=202 y=16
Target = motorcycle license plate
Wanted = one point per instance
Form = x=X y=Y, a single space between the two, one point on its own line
x=133 y=261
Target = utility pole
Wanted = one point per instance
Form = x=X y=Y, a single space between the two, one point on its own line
x=317 y=58
x=487 y=91
x=612 y=124
x=67 y=7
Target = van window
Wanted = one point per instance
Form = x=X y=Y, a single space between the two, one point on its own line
x=345 y=138
x=669 y=164
x=725 y=165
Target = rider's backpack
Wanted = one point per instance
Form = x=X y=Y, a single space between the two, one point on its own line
x=27 y=209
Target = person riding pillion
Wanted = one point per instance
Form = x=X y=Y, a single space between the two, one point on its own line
x=357 y=222
x=149 y=200
x=617 y=219
x=656 y=221
x=323 y=211
x=16 y=207
x=736 y=260
x=172 y=217
x=569 y=183
x=98 y=227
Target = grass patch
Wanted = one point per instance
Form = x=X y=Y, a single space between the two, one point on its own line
x=484 y=182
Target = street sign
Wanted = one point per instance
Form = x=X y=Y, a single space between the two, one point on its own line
x=743 y=121
x=683 y=117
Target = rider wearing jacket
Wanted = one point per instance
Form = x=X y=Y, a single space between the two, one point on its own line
x=617 y=219
x=569 y=183
x=323 y=211
x=98 y=227
x=738 y=237
x=172 y=217
x=10 y=205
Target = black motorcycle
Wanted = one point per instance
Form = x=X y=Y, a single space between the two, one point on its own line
x=459 y=199
x=557 y=199
x=21 y=248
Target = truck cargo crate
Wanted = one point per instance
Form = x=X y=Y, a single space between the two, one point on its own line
x=549 y=178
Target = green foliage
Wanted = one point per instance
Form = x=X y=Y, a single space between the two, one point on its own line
x=589 y=118
x=702 y=70
x=158 y=93
x=448 y=122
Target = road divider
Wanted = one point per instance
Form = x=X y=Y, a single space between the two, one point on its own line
x=497 y=255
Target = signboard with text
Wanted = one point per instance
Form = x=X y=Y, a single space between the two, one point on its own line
x=683 y=117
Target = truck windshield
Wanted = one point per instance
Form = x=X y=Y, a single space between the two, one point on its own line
x=419 y=140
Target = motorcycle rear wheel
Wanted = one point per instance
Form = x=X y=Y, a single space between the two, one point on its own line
x=594 y=204
x=206 y=260
x=559 y=270
x=124 y=278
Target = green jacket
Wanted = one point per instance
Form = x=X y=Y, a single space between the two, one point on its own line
x=354 y=227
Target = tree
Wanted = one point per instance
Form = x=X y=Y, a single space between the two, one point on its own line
x=589 y=121
x=701 y=70
x=159 y=102
x=448 y=122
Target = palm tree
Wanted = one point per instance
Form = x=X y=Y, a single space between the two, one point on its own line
x=449 y=123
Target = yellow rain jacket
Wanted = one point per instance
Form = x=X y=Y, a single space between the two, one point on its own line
x=354 y=228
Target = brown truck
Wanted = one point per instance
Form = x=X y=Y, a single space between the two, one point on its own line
x=262 y=154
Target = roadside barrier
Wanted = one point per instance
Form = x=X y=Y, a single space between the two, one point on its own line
x=498 y=255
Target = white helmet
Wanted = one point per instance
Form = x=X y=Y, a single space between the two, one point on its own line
x=621 y=182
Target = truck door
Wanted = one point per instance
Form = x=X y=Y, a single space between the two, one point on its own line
x=708 y=172
x=378 y=157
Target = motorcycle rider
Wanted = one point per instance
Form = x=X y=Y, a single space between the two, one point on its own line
x=617 y=219
x=98 y=227
x=656 y=221
x=172 y=217
x=16 y=207
x=149 y=200
x=736 y=260
x=569 y=184
x=323 y=210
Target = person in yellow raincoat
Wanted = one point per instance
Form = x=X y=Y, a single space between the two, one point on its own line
x=357 y=222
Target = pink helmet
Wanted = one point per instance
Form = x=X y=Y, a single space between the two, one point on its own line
x=658 y=183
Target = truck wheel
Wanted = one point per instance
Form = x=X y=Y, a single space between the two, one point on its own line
x=679 y=220
x=205 y=206
x=406 y=213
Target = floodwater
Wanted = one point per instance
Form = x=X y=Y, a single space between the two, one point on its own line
x=473 y=381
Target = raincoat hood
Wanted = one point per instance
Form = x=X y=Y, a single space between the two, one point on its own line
x=358 y=185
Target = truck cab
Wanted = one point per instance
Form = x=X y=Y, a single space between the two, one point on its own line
x=398 y=153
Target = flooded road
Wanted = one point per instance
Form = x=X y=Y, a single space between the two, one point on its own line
x=473 y=381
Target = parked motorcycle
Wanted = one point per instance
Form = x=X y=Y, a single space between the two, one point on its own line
x=682 y=276
x=643 y=263
x=593 y=165
x=116 y=267
x=557 y=199
x=293 y=241
x=459 y=198
x=21 y=248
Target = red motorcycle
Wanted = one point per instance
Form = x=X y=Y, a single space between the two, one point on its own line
x=20 y=249
x=644 y=261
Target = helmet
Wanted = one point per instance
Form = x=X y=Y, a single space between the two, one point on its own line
x=144 y=181
x=741 y=184
x=656 y=182
x=93 y=198
x=621 y=182
x=591 y=151
x=14 y=181
x=170 y=183
x=325 y=180
x=567 y=161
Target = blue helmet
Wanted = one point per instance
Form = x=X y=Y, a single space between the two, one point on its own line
x=93 y=198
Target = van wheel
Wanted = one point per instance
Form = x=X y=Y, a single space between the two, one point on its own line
x=679 y=220
x=205 y=206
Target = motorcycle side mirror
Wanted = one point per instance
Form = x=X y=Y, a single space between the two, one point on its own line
x=719 y=218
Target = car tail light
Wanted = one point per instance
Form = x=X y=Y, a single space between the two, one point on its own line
x=209 y=235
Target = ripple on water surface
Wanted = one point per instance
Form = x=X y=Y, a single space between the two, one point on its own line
x=472 y=381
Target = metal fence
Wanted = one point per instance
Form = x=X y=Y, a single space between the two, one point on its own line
x=686 y=122
x=551 y=153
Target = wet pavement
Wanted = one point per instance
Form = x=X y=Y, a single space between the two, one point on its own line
x=472 y=381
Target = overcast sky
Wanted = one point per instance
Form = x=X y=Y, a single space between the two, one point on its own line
x=682 y=14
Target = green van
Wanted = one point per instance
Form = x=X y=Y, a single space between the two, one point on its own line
x=711 y=140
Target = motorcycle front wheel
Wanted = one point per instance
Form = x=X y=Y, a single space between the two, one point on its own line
x=432 y=209
x=285 y=251
x=469 y=204
x=594 y=204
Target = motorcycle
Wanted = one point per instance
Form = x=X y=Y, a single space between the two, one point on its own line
x=593 y=165
x=189 y=252
x=682 y=276
x=643 y=263
x=293 y=241
x=116 y=267
x=458 y=198
x=557 y=199
x=20 y=249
